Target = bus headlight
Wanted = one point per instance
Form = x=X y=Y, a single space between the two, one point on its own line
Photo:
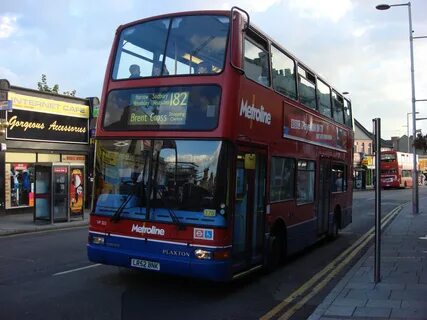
x=98 y=240
x=203 y=254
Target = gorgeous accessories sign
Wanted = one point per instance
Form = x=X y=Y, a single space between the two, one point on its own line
x=27 y=125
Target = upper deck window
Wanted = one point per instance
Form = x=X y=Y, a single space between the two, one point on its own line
x=388 y=157
x=347 y=113
x=307 y=88
x=256 y=62
x=338 y=107
x=283 y=71
x=324 y=94
x=176 y=46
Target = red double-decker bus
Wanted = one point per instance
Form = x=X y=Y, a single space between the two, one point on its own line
x=396 y=169
x=217 y=151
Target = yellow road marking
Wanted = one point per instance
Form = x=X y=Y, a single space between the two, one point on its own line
x=345 y=256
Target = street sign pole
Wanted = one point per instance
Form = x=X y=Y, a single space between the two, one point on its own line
x=377 y=260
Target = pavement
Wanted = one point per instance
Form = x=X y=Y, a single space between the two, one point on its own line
x=401 y=292
x=24 y=223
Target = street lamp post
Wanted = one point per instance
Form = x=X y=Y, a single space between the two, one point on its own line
x=414 y=126
x=407 y=126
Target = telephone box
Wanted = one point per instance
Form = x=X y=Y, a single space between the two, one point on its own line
x=59 y=192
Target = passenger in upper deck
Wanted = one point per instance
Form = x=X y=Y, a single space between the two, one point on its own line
x=135 y=71
x=204 y=68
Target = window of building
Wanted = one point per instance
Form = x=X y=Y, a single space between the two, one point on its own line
x=282 y=181
x=19 y=185
x=283 y=72
x=305 y=181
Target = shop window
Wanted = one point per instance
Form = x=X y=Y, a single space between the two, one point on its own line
x=20 y=185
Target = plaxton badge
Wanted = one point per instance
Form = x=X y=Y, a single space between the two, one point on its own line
x=151 y=230
x=175 y=253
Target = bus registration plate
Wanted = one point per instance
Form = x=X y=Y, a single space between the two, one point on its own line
x=145 y=264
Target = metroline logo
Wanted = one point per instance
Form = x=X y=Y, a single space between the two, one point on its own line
x=253 y=112
x=152 y=230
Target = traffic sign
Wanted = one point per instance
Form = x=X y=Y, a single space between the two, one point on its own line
x=6 y=105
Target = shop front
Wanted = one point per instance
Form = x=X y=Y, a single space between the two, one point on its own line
x=48 y=156
x=363 y=171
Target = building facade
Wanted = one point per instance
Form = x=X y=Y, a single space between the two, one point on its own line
x=46 y=154
x=364 y=158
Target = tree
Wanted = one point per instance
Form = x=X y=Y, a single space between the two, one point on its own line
x=43 y=86
x=420 y=142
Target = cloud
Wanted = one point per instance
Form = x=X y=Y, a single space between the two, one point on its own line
x=8 y=25
x=362 y=30
x=334 y=10
x=8 y=74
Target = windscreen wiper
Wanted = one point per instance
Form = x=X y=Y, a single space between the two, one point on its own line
x=175 y=219
x=172 y=214
x=116 y=216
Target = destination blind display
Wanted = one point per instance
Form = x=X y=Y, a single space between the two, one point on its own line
x=163 y=108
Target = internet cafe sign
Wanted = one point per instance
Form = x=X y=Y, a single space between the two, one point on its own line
x=41 y=119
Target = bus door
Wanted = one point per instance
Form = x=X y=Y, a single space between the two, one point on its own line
x=249 y=216
x=324 y=195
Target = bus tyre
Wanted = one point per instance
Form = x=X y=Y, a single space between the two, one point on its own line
x=274 y=253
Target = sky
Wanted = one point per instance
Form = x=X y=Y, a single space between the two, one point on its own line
x=355 y=47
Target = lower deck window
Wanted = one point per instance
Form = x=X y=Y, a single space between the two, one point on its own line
x=339 y=177
x=305 y=181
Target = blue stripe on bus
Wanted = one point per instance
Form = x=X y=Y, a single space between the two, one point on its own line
x=173 y=258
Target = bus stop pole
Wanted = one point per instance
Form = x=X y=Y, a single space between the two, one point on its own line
x=377 y=130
